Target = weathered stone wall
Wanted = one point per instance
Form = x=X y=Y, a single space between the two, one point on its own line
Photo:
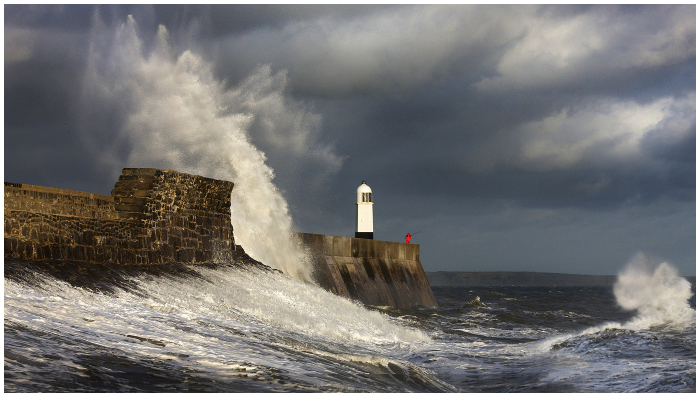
x=48 y=200
x=44 y=223
x=153 y=216
x=184 y=218
x=379 y=273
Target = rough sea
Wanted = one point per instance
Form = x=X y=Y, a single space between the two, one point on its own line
x=247 y=329
x=235 y=329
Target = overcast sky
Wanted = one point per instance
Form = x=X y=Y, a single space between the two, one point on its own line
x=512 y=138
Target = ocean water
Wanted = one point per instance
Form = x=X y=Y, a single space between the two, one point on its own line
x=238 y=329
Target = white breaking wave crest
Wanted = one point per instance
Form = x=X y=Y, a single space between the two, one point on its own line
x=228 y=323
x=164 y=110
x=249 y=301
x=654 y=290
x=272 y=299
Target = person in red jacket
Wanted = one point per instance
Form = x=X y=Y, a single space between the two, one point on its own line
x=408 y=238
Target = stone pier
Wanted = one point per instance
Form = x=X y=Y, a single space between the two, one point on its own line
x=163 y=219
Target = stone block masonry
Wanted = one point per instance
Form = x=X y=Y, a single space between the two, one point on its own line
x=153 y=216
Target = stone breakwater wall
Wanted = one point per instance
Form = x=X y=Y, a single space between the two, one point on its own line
x=153 y=216
x=379 y=273
x=165 y=217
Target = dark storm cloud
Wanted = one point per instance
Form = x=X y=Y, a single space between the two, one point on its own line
x=468 y=118
x=66 y=18
x=393 y=50
x=483 y=156
x=397 y=49
x=43 y=68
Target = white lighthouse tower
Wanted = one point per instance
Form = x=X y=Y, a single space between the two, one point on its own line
x=364 y=225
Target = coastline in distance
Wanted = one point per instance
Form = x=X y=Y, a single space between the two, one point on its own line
x=519 y=279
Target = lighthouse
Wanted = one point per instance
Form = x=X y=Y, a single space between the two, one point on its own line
x=364 y=225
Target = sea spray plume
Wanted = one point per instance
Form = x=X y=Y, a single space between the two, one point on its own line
x=176 y=115
x=652 y=288
x=106 y=97
x=285 y=128
x=656 y=291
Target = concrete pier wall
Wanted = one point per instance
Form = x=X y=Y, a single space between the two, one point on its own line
x=379 y=273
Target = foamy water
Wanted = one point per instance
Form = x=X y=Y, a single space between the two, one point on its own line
x=228 y=322
x=238 y=329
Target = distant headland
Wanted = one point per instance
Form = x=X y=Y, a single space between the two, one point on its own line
x=520 y=279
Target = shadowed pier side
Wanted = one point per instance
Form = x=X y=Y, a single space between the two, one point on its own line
x=379 y=273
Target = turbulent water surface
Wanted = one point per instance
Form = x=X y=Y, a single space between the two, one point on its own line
x=232 y=329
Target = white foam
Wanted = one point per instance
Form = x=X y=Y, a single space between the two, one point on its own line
x=656 y=292
x=283 y=302
x=229 y=322
x=244 y=302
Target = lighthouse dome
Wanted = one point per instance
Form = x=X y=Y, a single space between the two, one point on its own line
x=364 y=188
x=364 y=193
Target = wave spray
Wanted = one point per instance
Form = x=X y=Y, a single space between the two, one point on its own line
x=164 y=110
x=656 y=291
